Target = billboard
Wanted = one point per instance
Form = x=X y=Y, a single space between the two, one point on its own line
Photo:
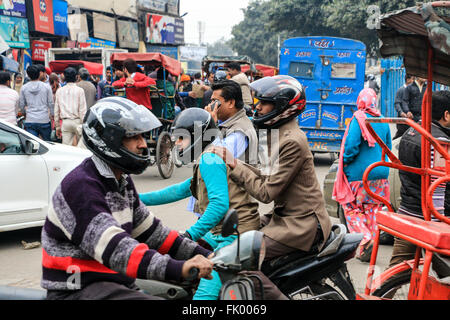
x=104 y=27
x=164 y=6
x=128 y=34
x=163 y=29
x=14 y=31
x=13 y=8
x=42 y=16
x=60 y=18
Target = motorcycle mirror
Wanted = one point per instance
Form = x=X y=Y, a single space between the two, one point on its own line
x=230 y=223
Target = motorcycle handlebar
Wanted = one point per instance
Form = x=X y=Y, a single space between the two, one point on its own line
x=193 y=274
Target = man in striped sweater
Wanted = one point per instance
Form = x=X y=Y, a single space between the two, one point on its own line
x=98 y=236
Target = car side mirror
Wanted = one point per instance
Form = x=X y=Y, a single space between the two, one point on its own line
x=230 y=223
x=31 y=147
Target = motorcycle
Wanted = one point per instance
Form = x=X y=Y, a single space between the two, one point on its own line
x=322 y=276
x=245 y=253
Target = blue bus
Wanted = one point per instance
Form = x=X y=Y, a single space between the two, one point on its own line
x=333 y=73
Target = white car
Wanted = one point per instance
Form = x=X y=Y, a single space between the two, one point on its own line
x=30 y=171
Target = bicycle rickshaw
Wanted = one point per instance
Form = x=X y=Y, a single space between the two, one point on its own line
x=160 y=145
x=214 y=63
x=421 y=37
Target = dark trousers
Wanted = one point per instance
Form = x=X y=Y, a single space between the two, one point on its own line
x=401 y=129
x=42 y=129
x=101 y=291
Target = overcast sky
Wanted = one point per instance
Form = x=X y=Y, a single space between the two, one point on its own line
x=219 y=16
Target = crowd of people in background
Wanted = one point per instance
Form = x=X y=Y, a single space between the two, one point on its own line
x=52 y=106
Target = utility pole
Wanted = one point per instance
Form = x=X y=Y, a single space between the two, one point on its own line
x=279 y=50
x=201 y=32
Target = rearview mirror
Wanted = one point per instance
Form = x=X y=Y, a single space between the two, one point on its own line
x=31 y=147
x=230 y=223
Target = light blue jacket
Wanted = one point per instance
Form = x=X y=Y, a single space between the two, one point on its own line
x=214 y=173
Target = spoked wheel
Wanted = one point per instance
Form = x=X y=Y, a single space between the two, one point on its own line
x=396 y=287
x=317 y=291
x=164 y=159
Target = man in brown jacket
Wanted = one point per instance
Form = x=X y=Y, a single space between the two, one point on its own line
x=299 y=220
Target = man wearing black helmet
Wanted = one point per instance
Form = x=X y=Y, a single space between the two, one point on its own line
x=210 y=185
x=98 y=237
x=299 y=220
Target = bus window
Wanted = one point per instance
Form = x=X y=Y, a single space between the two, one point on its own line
x=343 y=70
x=301 y=69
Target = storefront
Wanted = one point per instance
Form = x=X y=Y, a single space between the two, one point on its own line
x=47 y=21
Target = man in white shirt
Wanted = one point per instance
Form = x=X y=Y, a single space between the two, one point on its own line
x=70 y=107
x=234 y=69
x=9 y=99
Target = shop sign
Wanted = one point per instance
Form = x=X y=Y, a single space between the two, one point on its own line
x=168 y=51
x=39 y=48
x=43 y=16
x=14 y=32
x=60 y=18
x=13 y=8
x=100 y=43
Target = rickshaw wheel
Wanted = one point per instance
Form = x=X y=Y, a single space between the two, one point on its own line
x=164 y=159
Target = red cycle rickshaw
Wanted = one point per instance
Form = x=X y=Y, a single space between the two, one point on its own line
x=421 y=36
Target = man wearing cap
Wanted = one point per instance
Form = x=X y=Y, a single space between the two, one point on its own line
x=70 y=107
x=90 y=91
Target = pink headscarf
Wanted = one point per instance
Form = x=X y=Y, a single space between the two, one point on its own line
x=367 y=103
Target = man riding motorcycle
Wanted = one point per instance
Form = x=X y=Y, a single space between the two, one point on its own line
x=98 y=237
x=299 y=220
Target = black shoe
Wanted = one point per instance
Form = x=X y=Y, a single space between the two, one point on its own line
x=366 y=254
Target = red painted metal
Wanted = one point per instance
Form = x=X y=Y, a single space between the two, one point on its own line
x=432 y=236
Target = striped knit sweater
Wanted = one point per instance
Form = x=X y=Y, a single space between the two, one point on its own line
x=97 y=229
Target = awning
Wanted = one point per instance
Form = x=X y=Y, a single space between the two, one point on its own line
x=59 y=66
x=151 y=58
x=9 y=64
x=267 y=71
x=407 y=33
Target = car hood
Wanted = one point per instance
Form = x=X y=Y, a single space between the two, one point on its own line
x=57 y=147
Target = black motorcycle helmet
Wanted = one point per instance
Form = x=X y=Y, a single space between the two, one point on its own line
x=111 y=120
x=197 y=125
x=286 y=93
x=220 y=75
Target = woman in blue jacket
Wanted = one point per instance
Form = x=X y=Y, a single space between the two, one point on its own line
x=358 y=151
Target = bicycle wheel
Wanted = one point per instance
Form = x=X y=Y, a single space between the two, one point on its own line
x=316 y=291
x=396 y=287
x=164 y=159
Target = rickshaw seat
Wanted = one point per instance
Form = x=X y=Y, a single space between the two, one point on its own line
x=436 y=234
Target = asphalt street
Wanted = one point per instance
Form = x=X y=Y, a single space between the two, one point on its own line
x=22 y=268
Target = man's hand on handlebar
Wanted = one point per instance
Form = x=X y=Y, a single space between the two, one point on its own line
x=204 y=266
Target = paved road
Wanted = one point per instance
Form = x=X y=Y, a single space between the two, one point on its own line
x=22 y=268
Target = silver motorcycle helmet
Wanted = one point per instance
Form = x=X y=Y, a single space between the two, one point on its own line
x=111 y=120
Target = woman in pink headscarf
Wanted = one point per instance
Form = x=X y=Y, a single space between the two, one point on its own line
x=358 y=151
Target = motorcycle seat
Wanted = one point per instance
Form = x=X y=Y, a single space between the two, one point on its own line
x=332 y=245
x=300 y=262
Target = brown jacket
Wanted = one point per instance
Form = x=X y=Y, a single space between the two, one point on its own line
x=293 y=186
